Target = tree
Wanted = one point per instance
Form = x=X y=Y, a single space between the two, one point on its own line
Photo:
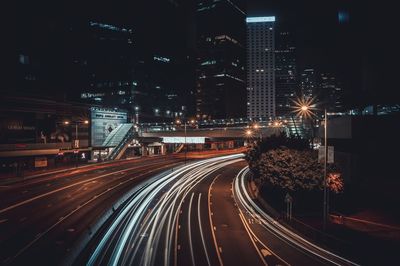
x=289 y=163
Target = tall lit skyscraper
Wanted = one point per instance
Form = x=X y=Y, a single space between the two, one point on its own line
x=260 y=67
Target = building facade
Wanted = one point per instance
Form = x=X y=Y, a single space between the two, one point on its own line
x=330 y=93
x=308 y=83
x=261 y=67
x=285 y=72
x=220 y=79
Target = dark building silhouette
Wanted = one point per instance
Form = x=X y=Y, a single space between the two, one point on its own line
x=286 y=86
x=220 y=74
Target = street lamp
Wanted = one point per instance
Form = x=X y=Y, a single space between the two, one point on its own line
x=185 y=146
x=257 y=127
x=248 y=134
x=325 y=214
x=137 y=114
x=304 y=108
x=76 y=142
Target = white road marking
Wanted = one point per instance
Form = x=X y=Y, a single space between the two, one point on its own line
x=58 y=190
x=211 y=223
x=190 y=230
x=265 y=252
x=201 y=231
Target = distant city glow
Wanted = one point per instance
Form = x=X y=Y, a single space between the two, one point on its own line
x=260 y=19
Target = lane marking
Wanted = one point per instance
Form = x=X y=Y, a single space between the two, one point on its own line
x=193 y=175
x=265 y=252
x=201 y=231
x=38 y=236
x=189 y=230
x=69 y=186
x=250 y=230
x=252 y=240
x=177 y=247
x=211 y=223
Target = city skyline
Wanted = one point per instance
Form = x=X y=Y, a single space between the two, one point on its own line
x=199 y=132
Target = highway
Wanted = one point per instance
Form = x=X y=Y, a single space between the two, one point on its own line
x=43 y=219
x=200 y=214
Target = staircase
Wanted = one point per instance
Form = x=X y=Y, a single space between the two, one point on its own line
x=296 y=128
x=119 y=139
x=179 y=149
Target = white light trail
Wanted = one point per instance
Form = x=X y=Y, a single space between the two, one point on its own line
x=156 y=206
x=279 y=230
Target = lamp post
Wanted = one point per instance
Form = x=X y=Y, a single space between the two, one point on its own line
x=76 y=141
x=325 y=211
x=258 y=128
x=137 y=114
x=248 y=133
x=184 y=144
x=303 y=108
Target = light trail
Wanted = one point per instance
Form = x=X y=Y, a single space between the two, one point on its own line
x=270 y=224
x=190 y=230
x=156 y=206
x=201 y=231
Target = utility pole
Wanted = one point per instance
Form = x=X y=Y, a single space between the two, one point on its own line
x=185 y=142
x=325 y=211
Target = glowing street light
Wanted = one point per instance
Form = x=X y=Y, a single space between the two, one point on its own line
x=304 y=107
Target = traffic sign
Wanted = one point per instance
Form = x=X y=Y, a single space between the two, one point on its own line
x=288 y=198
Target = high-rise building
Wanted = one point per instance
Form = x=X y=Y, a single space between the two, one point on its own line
x=145 y=83
x=308 y=83
x=330 y=93
x=285 y=72
x=220 y=79
x=260 y=67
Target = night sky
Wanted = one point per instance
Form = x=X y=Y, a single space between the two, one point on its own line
x=362 y=51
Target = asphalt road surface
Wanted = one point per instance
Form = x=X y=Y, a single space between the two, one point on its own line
x=200 y=214
x=42 y=219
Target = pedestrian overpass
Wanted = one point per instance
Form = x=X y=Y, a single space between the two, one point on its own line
x=153 y=140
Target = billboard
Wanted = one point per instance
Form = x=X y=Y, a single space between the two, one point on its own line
x=104 y=121
x=197 y=140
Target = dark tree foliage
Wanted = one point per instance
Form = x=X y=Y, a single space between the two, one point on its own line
x=290 y=164
x=275 y=142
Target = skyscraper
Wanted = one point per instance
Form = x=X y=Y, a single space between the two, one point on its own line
x=285 y=72
x=260 y=67
x=220 y=79
x=330 y=93
x=308 y=83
